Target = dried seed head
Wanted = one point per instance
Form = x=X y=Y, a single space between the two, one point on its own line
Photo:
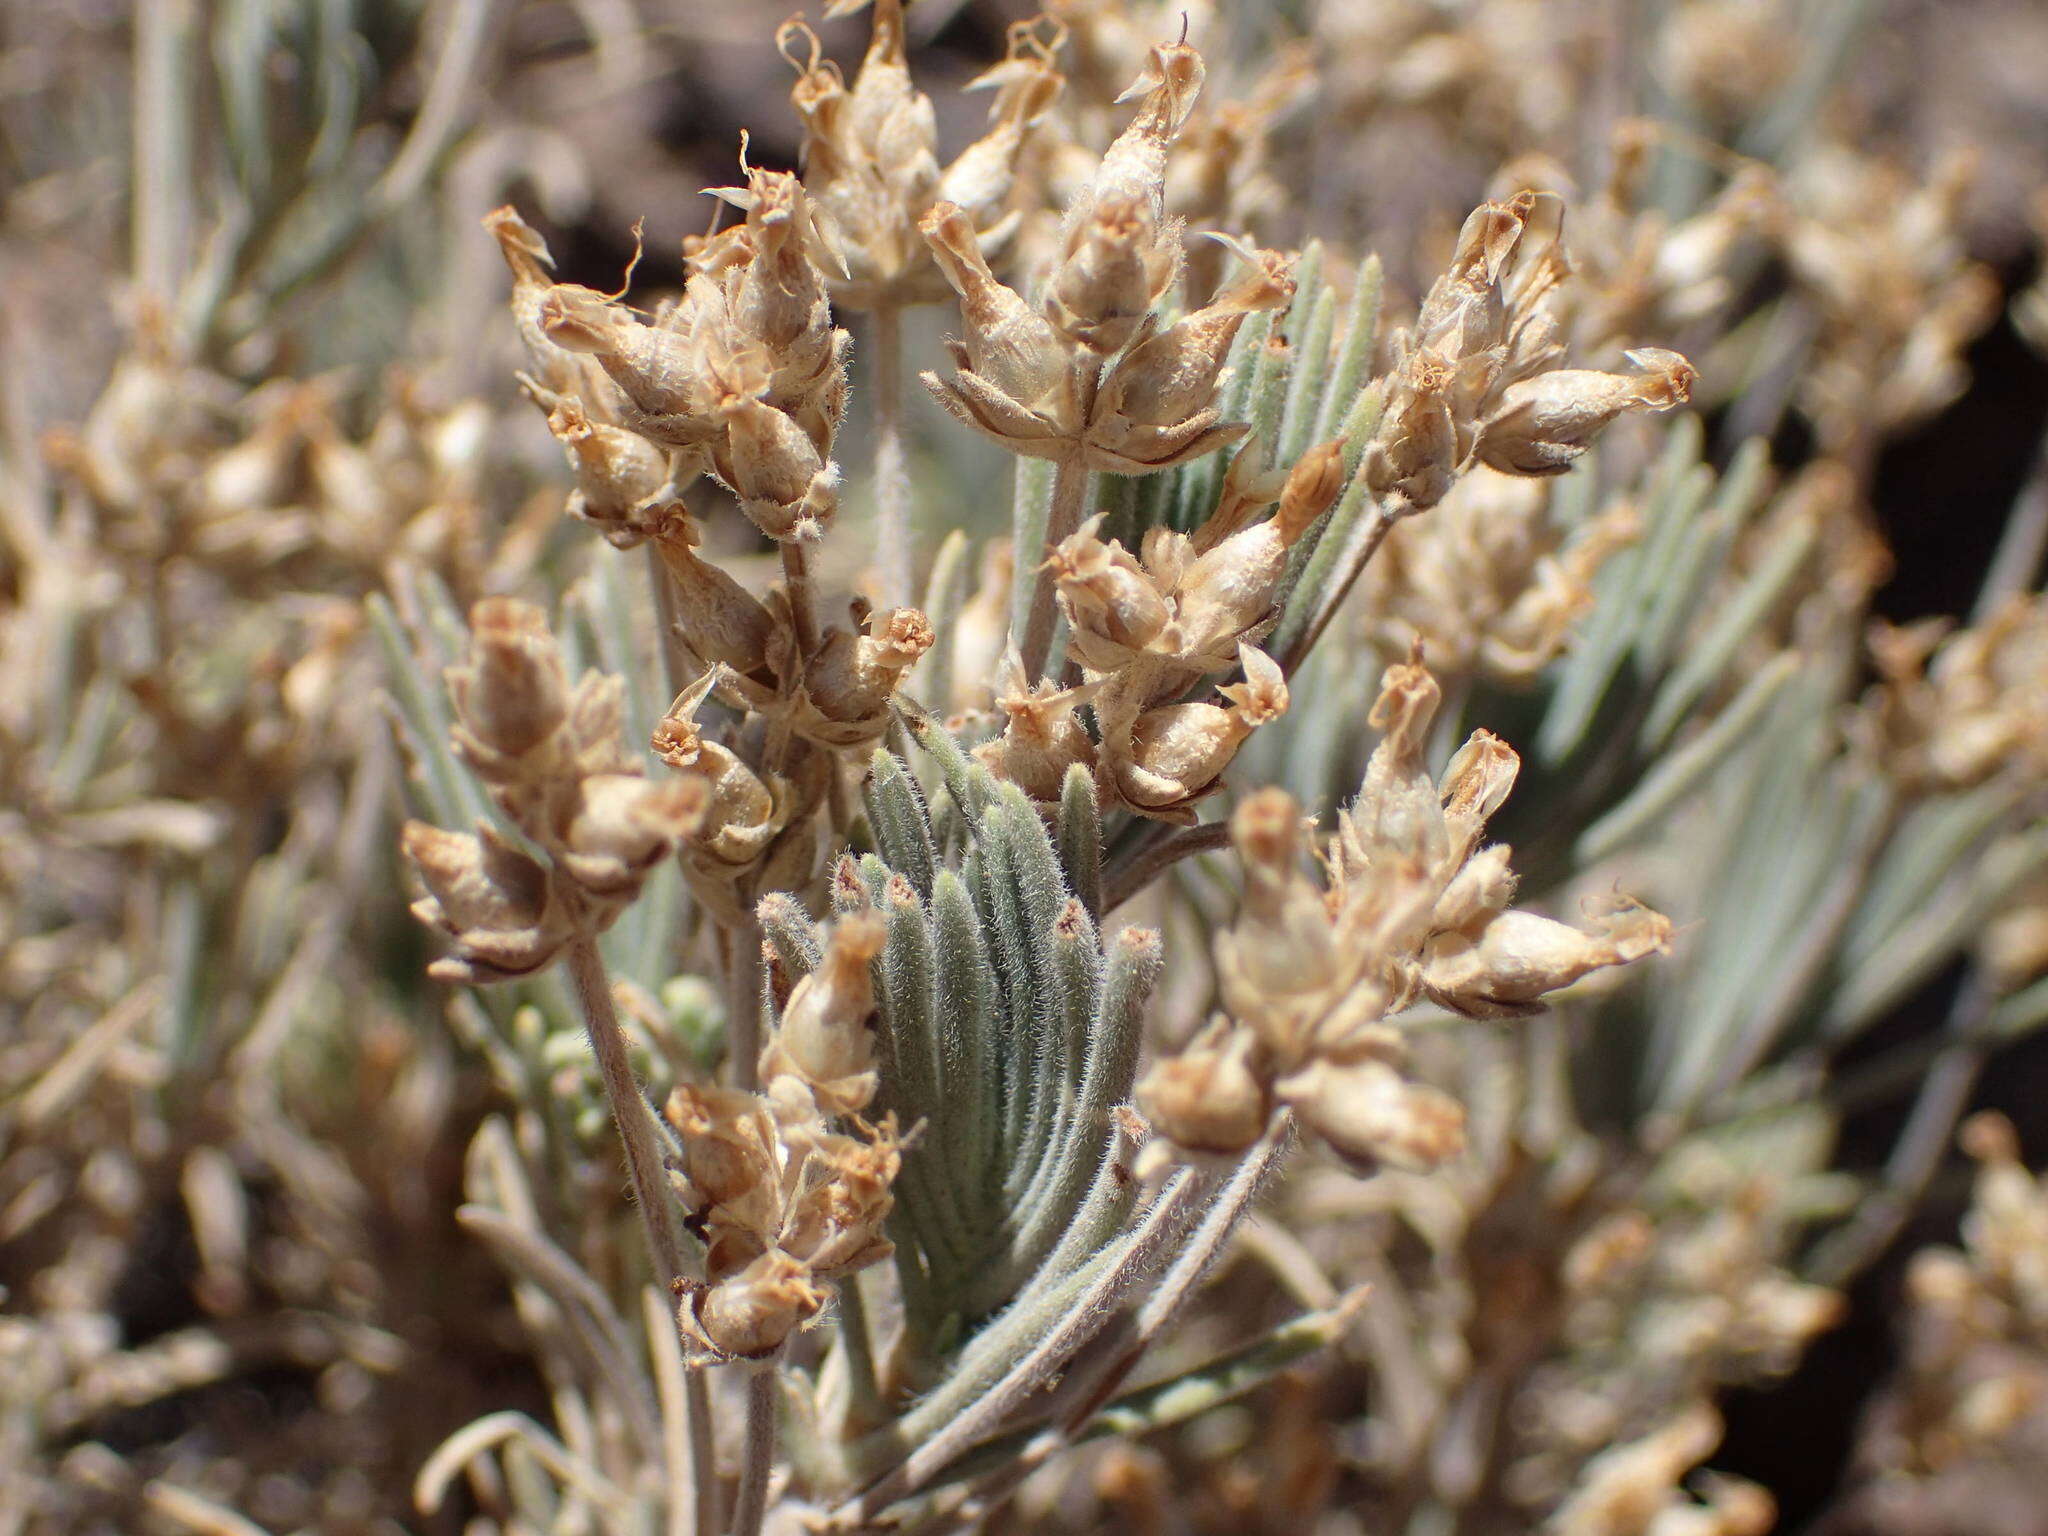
x=1014 y=370
x=1209 y=1098
x=728 y=1141
x=1172 y=375
x=493 y=900
x=751 y=1315
x=512 y=694
x=835 y=1224
x=1043 y=736
x=1544 y=424
x=1113 y=607
x=853 y=677
x=785 y=484
x=1177 y=753
x=826 y=1038
x=1519 y=957
x=622 y=825
x=1370 y=1114
x=657 y=369
x=722 y=622
x=1119 y=252
x=623 y=485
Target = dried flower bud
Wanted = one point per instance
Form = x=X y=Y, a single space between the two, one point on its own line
x=717 y=618
x=1115 y=264
x=623 y=484
x=1311 y=489
x=513 y=692
x=1176 y=753
x=622 y=826
x=1208 y=1098
x=731 y=1172
x=1279 y=964
x=493 y=900
x=1014 y=378
x=1544 y=424
x=749 y=1316
x=740 y=814
x=1119 y=253
x=826 y=1037
x=853 y=677
x=785 y=484
x=1519 y=957
x=1043 y=738
x=658 y=369
x=835 y=1224
x=1172 y=375
x=1369 y=1114
x=561 y=372
x=1113 y=607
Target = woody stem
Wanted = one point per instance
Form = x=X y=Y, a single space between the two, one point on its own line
x=1069 y=491
x=892 y=470
x=631 y=1112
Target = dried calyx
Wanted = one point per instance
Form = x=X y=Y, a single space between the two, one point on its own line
x=1413 y=908
x=551 y=758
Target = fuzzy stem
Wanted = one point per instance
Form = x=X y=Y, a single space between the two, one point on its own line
x=803 y=595
x=676 y=668
x=1069 y=490
x=1351 y=563
x=162 y=222
x=686 y=1424
x=893 y=490
x=631 y=1112
x=742 y=954
x=856 y=1339
x=750 y=1503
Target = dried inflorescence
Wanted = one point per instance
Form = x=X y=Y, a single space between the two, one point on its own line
x=1955 y=709
x=1493 y=581
x=1414 y=909
x=1952 y=1440
x=1031 y=375
x=1477 y=378
x=870 y=154
x=552 y=758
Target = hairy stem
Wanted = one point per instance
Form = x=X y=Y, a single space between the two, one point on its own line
x=685 y=1421
x=750 y=1503
x=893 y=491
x=1069 y=490
x=676 y=668
x=803 y=594
x=741 y=946
x=1365 y=542
x=631 y=1112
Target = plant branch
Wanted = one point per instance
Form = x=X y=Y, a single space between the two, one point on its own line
x=1361 y=545
x=1156 y=857
x=631 y=1112
x=802 y=589
x=893 y=490
x=685 y=1421
x=1069 y=491
x=750 y=1503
